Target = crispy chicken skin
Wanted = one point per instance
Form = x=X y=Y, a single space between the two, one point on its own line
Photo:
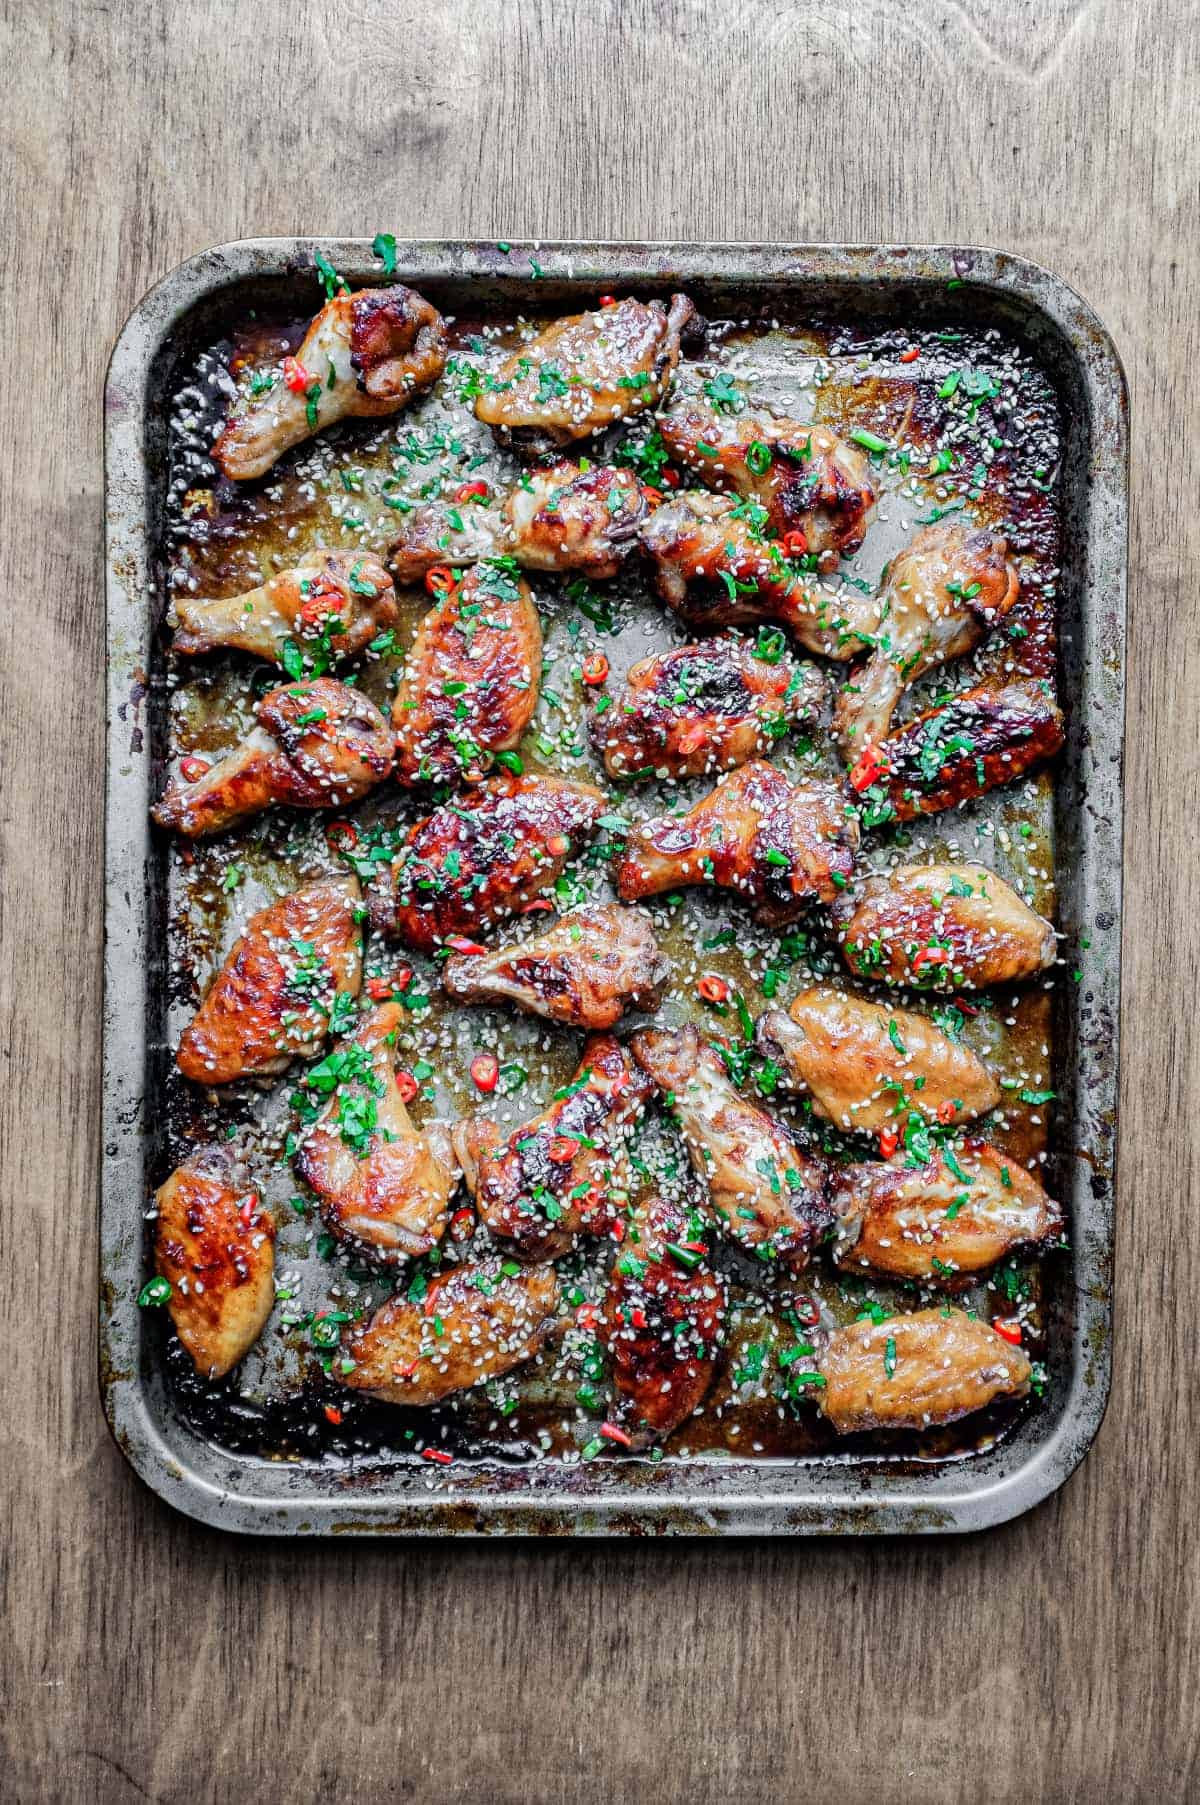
x=984 y=737
x=564 y=1174
x=864 y=1064
x=938 y=599
x=271 y=1000
x=559 y=519
x=926 y=1223
x=662 y=1323
x=767 y=1192
x=586 y=372
x=363 y=355
x=475 y=862
x=216 y=1246
x=909 y=1372
x=490 y=1321
x=781 y=846
x=383 y=1184
x=808 y=480
x=704 y=708
x=944 y=927
x=714 y=566
x=342 y=599
x=586 y=970
x=318 y=745
x=470 y=683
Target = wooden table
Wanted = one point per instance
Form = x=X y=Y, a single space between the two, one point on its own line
x=145 y=1658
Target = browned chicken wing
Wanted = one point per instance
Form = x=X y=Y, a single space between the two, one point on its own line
x=471 y=678
x=215 y=1245
x=944 y=927
x=809 y=481
x=864 y=1064
x=705 y=708
x=564 y=1174
x=938 y=599
x=474 y=862
x=909 y=1372
x=563 y=518
x=942 y=1222
x=382 y=1183
x=318 y=745
x=782 y=846
x=586 y=970
x=476 y=1322
x=586 y=372
x=273 y=997
x=984 y=737
x=663 y=1322
x=335 y=600
x=363 y=355
x=768 y=1193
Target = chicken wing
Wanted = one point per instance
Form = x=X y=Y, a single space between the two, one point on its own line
x=909 y=1372
x=318 y=745
x=272 y=999
x=586 y=970
x=330 y=601
x=382 y=1183
x=563 y=518
x=215 y=1245
x=476 y=1322
x=768 y=1193
x=810 y=482
x=663 y=1322
x=363 y=355
x=864 y=1064
x=471 y=678
x=584 y=373
x=944 y=927
x=564 y=1174
x=983 y=737
x=472 y=863
x=705 y=708
x=782 y=846
x=942 y=1222
x=938 y=599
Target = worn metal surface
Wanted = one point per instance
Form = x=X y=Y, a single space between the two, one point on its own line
x=698 y=1498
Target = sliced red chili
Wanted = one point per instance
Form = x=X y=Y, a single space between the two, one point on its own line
x=334 y=1414
x=889 y=1140
x=295 y=376
x=712 y=989
x=595 y=669
x=407 y=1085
x=440 y=580
x=1008 y=1331
x=192 y=769
x=795 y=543
x=563 y=1148
x=485 y=1071
x=458 y=943
x=472 y=492
x=910 y=356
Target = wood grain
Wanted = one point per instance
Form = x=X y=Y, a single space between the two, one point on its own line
x=145 y=1658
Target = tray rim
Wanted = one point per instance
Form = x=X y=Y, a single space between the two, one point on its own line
x=944 y=1500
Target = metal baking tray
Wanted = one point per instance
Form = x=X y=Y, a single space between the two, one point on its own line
x=829 y=1493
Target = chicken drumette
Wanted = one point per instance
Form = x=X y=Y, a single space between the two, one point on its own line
x=335 y=602
x=586 y=970
x=318 y=745
x=983 y=737
x=944 y=927
x=215 y=1245
x=363 y=355
x=909 y=1372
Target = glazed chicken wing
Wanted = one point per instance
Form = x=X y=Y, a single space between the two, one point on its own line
x=935 y=1223
x=565 y=1174
x=586 y=372
x=938 y=599
x=563 y=518
x=986 y=736
x=339 y=600
x=318 y=745
x=909 y=1372
x=663 y=1322
x=476 y=1322
x=363 y=355
x=473 y=863
x=705 y=708
x=586 y=970
x=471 y=678
x=944 y=927
x=864 y=1064
x=273 y=997
x=383 y=1184
x=782 y=846
x=768 y=1193
x=216 y=1246
x=810 y=482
